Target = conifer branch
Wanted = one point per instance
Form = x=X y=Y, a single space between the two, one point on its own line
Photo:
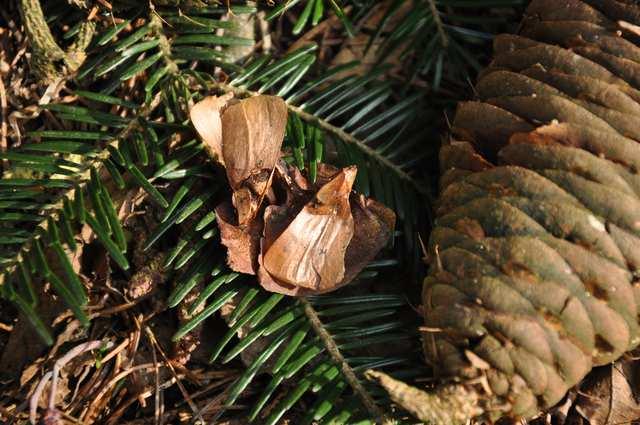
x=347 y=372
x=165 y=44
x=333 y=130
x=444 y=40
x=80 y=179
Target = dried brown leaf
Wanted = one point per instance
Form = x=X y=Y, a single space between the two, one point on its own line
x=246 y=204
x=206 y=118
x=609 y=396
x=310 y=252
x=373 y=227
x=302 y=241
x=252 y=134
x=315 y=238
x=245 y=136
x=276 y=220
x=243 y=243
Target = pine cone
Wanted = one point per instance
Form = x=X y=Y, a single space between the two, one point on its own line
x=536 y=247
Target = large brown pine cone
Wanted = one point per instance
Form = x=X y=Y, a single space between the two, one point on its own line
x=535 y=253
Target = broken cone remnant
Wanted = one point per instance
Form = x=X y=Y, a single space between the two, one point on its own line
x=299 y=237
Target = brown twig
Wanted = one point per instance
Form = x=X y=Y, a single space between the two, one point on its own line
x=53 y=376
x=183 y=390
x=444 y=40
x=336 y=355
x=123 y=374
x=45 y=50
x=114 y=418
x=116 y=350
x=157 y=408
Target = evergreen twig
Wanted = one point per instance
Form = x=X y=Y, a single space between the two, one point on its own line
x=335 y=131
x=444 y=40
x=336 y=355
x=80 y=178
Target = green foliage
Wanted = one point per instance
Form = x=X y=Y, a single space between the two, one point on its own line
x=312 y=13
x=115 y=139
x=438 y=40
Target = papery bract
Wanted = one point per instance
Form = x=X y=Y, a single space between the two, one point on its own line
x=310 y=252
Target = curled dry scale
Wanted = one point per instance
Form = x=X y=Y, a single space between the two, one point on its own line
x=535 y=254
x=299 y=237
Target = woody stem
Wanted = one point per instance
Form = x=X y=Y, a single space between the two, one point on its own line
x=348 y=373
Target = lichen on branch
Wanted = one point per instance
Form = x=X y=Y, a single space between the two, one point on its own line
x=47 y=57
